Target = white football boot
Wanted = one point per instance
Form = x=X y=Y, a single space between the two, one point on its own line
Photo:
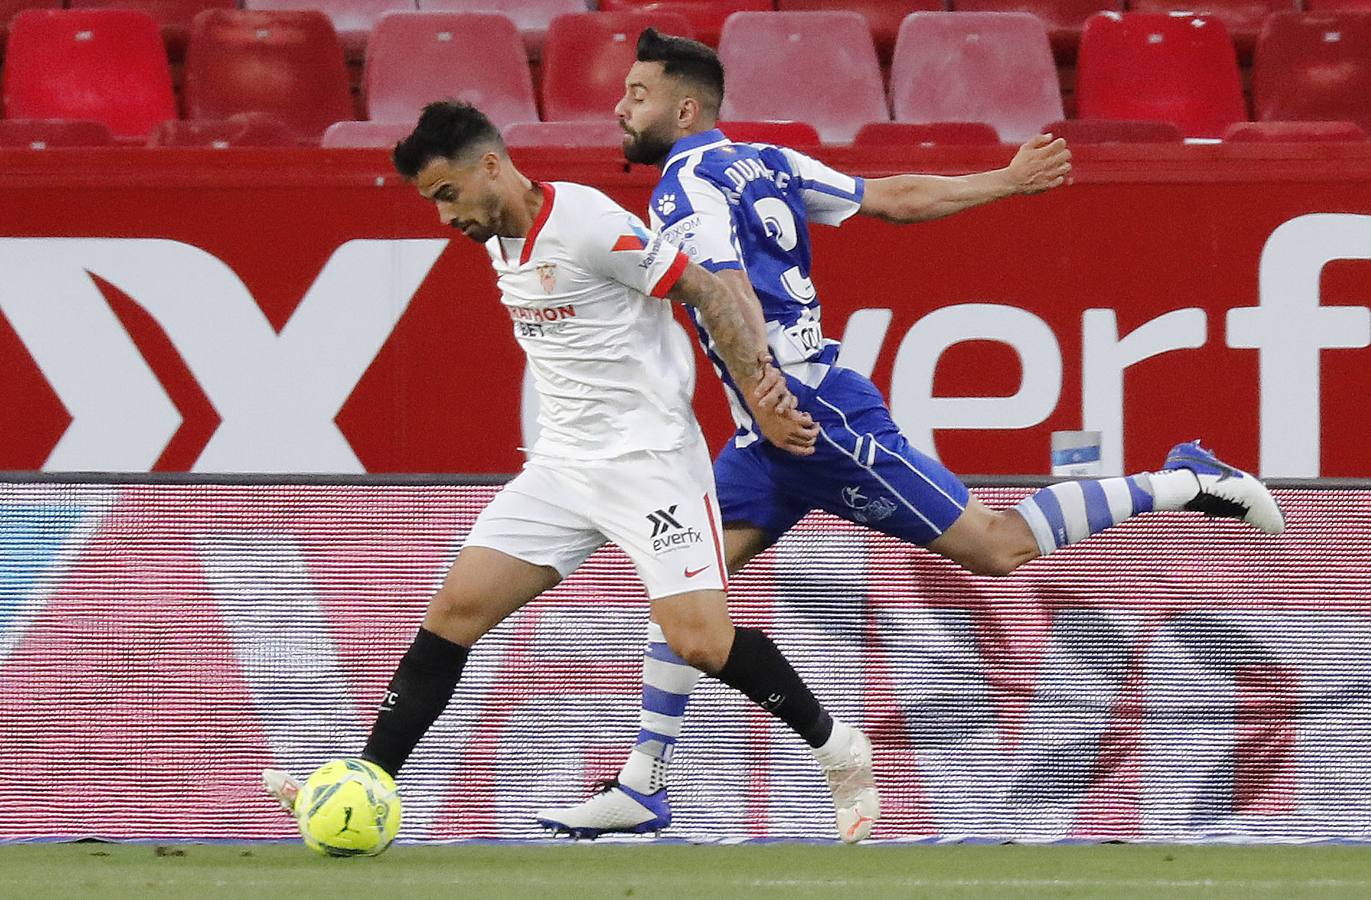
x=853 y=787
x=281 y=786
x=1226 y=491
x=613 y=808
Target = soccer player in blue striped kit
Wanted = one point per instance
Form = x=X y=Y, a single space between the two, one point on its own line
x=742 y=212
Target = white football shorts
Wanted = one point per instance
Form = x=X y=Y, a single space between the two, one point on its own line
x=657 y=505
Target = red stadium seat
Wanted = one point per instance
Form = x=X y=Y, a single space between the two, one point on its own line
x=1314 y=67
x=883 y=16
x=365 y=134
x=1293 y=132
x=1064 y=18
x=1242 y=18
x=706 y=17
x=285 y=64
x=531 y=17
x=40 y=134
x=1337 y=5
x=242 y=130
x=11 y=8
x=416 y=58
x=587 y=55
x=352 y=19
x=102 y=64
x=818 y=67
x=995 y=68
x=915 y=134
x=800 y=135
x=174 y=16
x=1114 y=131
x=1156 y=67
x=605 y=134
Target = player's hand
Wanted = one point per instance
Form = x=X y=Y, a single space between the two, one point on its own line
x=774 y=408
x=1041 y=164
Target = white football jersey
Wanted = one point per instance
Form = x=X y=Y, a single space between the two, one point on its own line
x=586 y=291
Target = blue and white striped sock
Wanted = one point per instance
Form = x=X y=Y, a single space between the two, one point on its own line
x=1069 y=511
x=667 y=683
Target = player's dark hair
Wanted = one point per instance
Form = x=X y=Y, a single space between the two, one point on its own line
x=690 y=61
x=446 y=129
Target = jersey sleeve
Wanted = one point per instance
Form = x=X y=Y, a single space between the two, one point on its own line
x=695 y=216
x=615 y=245
x=830 y=197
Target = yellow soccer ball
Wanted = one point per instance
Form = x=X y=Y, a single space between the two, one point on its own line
x=348 y=807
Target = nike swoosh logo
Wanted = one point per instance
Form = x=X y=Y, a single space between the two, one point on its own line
x=690 y=574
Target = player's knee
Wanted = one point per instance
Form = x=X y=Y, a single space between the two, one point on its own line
x=700 y=648
x=457 y=615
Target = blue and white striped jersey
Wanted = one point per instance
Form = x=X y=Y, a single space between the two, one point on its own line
x=748 y=206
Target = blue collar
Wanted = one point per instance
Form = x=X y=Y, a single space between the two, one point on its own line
x=693 y=142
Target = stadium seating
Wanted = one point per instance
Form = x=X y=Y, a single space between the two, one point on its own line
x=914 y=134
x=1157 y=67
x=1113 y=131
x=174 y=16
x=531 y=17
x=587 y=55
x=242 y=130
x=1294 y=132
x=800 y=135
x=1337 y=5
x=10 y=8
x=102 y=64
x=605 y=134
x=818 y=67
x=285 y=64
x=352 y=19
x=995 y=68
x=40 y=134
x=706 y=17
x=1242 y=18
x=416 y=58
x=883 y=16
x=1064 y=19
x=365 y=134
x=1314 y=67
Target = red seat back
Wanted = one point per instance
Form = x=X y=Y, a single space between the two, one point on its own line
x=365 y=134
x=995 y=68
x=1242 y=18
x=914 y=134
x=800 y=135
x=40 y=134
x=1314 y=67
x=102 y=64
x=817 y=67
x=1155 y=67
x=882 y=16
x=174 y=16
x=1294 y=132
x=531 y=17
x=285 y=64
x=417 y=58
x=1114 y=131
x=353 y=20
x=242 y=130
x=1064 y=18
x=706 y=17
x=587 y=55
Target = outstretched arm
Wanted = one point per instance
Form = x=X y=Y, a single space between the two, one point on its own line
x=732 y=316
x=1040 y=165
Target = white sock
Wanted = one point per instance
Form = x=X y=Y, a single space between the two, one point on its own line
x=667 y=683
x=834 y=750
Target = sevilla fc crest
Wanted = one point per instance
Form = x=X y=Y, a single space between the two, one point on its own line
x=547 y=276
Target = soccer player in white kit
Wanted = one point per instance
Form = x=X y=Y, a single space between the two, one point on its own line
x=619 y=456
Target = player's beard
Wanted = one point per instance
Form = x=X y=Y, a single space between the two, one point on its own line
x=646 y=147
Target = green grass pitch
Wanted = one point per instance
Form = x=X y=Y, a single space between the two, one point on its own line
x=592 y=870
